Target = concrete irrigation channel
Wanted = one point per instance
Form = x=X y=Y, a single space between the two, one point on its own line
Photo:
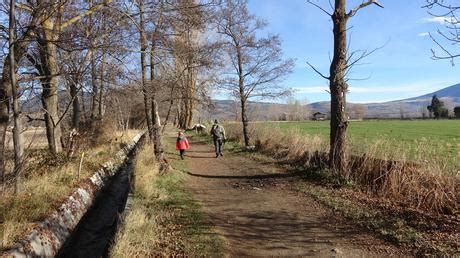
x=85 y=224
x=93 y=235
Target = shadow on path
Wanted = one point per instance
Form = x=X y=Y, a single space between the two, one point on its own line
x=264 y=176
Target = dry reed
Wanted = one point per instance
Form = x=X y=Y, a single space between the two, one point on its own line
x=424 y=180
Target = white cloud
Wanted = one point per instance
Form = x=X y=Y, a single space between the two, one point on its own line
x=388 y=89
x=311 y=89
x=441 y=20
x=423 y=34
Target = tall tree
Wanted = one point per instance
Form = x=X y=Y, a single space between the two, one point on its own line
x=156 y=38
x=144 y=46
x=457 y=112
x=188 y=29
x=21 y=44
x=437 y=108
x=17 y=137
x=47 y=32
x=338 y=86
x=256 y=62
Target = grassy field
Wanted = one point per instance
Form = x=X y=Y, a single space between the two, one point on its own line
x=419 y=139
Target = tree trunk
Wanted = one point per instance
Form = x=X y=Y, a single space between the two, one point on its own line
x=17 y=137
x=5 y=92
x=168 y=114
x=182 y=118
x=75 y=106
x=101 y=88
x=156 y=131
x=145 y=92
x=50 y=99
x=338 y=88
x=191 y=98
x=92 y=56
x=177 y=116
x=93 y=87
x=155 y=116
x=83 y=106
x=244 y=117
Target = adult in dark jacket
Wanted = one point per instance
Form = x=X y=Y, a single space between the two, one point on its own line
x=218 y=136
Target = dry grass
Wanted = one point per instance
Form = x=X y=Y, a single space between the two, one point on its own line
x=425 y=182
x=46 y=183
x=34 y=138
x=140 y=230
x=163 y=219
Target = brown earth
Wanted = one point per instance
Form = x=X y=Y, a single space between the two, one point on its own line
x=253 y=205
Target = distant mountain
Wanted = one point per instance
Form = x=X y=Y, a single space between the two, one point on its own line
x=449 y=92
x=411 y=107
x=230 y=110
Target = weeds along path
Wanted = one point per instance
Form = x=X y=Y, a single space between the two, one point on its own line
x=253 y=206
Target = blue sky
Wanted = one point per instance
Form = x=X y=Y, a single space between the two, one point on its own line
x=402 y=68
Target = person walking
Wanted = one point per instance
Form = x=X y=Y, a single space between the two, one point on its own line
x=182 y=144
x=218 y=136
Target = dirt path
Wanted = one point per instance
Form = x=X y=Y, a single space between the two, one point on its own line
x=257 y=212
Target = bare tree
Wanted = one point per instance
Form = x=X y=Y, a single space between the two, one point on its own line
x=144 y=45
x=295 y=110
x=156 y=37
x=256 y=62
x=359 y=111
x=423 y=112
x=17 y=137
x=402 y=111
x=188 y=29
x=338 y=87
x=22 y=42
x=47 y=31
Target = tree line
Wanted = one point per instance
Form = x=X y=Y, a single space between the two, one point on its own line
x=73 y=66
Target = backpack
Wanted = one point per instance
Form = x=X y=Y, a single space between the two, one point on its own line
x=216 y=131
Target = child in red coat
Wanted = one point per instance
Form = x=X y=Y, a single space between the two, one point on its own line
x=181 y=144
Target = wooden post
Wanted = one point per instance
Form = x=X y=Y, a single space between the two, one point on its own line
x=81 y=163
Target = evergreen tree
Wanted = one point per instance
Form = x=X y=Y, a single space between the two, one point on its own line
x=437 y=108
x=457 y=112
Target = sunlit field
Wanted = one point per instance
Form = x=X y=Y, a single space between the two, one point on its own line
x=420 y=139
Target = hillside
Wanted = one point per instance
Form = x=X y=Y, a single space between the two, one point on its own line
x=452 y=92
x=410 y=107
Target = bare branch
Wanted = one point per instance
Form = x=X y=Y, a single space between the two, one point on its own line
x=30 y=119
x=317 y=71
x=353 y=11
x=319 y=7
x=80 y=16
x=449 y=13
x=449 y=55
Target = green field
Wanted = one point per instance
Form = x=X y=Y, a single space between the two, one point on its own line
x=419 y=139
